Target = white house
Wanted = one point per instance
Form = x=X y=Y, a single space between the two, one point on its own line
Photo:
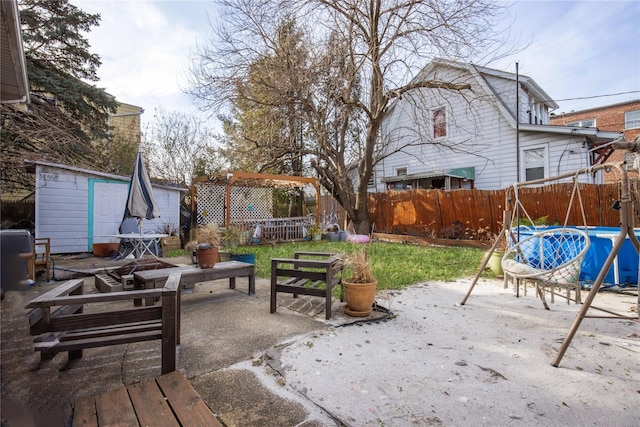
x=440 y=138
x=78 y=207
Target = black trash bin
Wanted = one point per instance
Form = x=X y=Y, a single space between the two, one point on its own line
x=13 y=268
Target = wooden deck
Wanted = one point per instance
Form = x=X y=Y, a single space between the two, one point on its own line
x=168 y=400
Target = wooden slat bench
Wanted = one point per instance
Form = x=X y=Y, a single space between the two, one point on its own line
x=307 y=273
x=168 y=400
x=60 y=323
x=192 y=275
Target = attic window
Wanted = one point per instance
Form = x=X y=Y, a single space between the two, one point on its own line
x=439 y=123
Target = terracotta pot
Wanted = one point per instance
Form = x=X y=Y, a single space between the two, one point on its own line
x=207 y=257
x=105 y=249
x=359 y=298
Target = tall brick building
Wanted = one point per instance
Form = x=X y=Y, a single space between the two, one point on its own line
x=622 y=117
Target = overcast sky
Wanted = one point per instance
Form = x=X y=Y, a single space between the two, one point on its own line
x=572 y=49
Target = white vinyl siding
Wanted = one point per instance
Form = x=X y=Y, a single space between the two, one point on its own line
x=478 y=131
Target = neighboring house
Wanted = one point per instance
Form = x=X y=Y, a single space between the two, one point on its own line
x=621 y=117
x=438 y=138
x=125 y=123
x=77 y=207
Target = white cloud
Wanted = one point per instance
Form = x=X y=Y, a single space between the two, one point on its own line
x=144 y=47
x=571 y=49
x=580 y=49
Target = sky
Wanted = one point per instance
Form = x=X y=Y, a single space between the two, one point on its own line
x=580 y=52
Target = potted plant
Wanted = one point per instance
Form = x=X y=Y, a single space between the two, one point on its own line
x=314 y=232
x=495 y=261
x=359 y=283
x=495 y=258
x=206 y=245
x=231 y=236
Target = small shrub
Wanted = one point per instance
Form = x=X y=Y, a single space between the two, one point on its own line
x=457 y=230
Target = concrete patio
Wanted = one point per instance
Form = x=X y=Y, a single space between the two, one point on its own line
x=436 y=363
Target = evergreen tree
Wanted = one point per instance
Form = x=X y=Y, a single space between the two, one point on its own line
x=67 y=114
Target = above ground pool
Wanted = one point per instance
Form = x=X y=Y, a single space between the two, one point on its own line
x=624 y=270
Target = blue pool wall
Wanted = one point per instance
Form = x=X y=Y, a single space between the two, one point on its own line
x=598 y=252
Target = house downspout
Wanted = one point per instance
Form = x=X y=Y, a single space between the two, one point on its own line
x=517 y=167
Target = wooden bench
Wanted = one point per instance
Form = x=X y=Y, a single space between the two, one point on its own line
x=168 y=400
x=189 y=276
x=60 y=323
x=307 y=273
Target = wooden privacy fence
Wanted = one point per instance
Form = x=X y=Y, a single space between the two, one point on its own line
x=477 y=214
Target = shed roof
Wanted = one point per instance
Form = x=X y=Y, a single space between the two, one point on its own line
x=33 y=163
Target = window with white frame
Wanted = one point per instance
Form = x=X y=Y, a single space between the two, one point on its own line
x=401 y=171
x=632 y=119
x=534 y=163
x=439 y=118
x=586 y=123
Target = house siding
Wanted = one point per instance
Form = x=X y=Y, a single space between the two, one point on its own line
x=479 y=133
x=62 y=210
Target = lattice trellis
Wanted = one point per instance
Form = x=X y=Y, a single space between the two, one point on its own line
x=251 y=203
x=246 y=203
x=210 y=208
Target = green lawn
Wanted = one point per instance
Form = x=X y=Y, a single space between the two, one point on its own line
x=396 y=265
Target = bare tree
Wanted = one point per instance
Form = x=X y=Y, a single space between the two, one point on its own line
x=362 y=56
x=178 y=147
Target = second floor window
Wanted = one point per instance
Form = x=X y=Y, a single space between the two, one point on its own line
x=439 y=123
x=632 y=119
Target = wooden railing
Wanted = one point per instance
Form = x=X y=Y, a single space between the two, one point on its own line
x=272 y=229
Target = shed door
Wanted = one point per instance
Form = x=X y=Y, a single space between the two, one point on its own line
x=109 y=199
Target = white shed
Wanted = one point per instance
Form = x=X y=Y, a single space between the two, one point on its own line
x=78 y=207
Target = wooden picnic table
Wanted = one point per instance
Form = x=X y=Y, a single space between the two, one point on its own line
x=168 y=400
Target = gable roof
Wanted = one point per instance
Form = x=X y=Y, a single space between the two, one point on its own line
x=14 y=85
x=482 y=75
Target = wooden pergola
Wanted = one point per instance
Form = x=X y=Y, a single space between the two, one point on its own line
x=249 y=179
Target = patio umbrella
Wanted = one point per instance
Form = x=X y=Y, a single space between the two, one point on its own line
x=141 y=203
